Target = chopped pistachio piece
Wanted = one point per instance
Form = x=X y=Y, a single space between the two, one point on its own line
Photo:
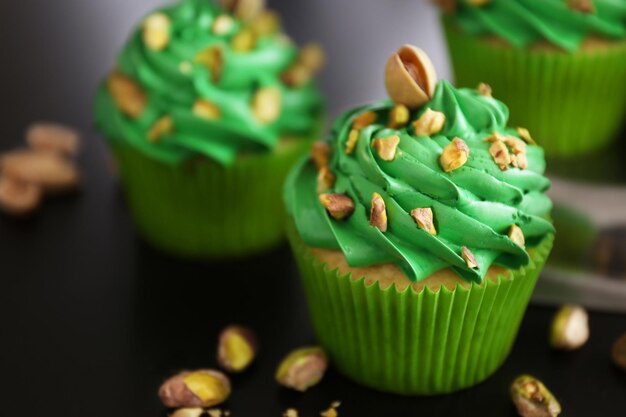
x=353 y=138
x=516 y=145
x=386 y=148
x=206 y=110
x=519 y=161
x=339 y=206
x=399 y=116
x=266 y=23
x=244 y=41
x=364 y=119
x=223 y=24
x=212 y=59
x=500 y=154
x=320 y=154
x=267 y=105
x=325 y=180
x=485 y=90
x=583 y=6
x=525 y=135
x=378 y=213
x=296 y=76
x=127 y=94
x=455 y=155
x=430 y=123
x=425 y=219
x=156 y=31
x=313 y=57
x=163 y=126
x=517 y=235
x=469 y=258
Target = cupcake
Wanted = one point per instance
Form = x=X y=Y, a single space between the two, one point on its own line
x=208 y=107
x=419 y=232
x=560 y=65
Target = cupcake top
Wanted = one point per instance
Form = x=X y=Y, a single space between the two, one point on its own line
x=209 y=79
x=564 y=23
x=431 y=180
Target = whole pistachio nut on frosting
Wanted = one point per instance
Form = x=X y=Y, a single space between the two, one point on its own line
x=423 y=191
x=522 y=23
x=208 y=78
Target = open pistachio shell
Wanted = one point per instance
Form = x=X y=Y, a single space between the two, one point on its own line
x=410 y=77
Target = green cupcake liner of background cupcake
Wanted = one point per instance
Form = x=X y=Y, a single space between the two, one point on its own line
x=205 y=112
x=560 y=71
x=415 y=343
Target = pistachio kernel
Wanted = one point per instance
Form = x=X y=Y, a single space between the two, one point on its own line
x=320 y=154
x=525 y=135
x=212 y=58
x=329 y=412
x=266 y=23
x=267 y=105
x=364 y=119
x=430 y=123
x=378 y=213
x=188 y=412
x=302 y=368
x=583 y=6
x=517 y=235
x=454 y=155
x=618 y=352
x=127 y=94
x=156 y=31
x=201 y=388
x=325 y=180
x=519 y=161
x=223 y=24
x=313 y=57
x=533 y=399
x=291 y=412
x=206 y=110
x=48 y=171
x=469 y=258
x=244 y=41
x=516 y=145
x=410 y=77
x=386 y=148
x=485 y=90
x=495 y=137
x=17 y=197
x=570 y=328
x=163 y=126
x=425 y=219
x=296 y=76
x=53 y=137
x=399 y=116
x=339 y=206
x=236 y=348
x=353 y=138
x=500 y=154
x=244 y=9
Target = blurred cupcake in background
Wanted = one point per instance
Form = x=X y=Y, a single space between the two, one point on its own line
x=208 y=107
x=420 y=231
x=560 y=65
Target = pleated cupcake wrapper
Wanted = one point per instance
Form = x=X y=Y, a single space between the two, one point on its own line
x=200 y=209
x=415 y=343
x=572 y=103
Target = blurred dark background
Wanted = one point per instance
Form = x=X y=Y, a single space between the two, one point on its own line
x=92 y=319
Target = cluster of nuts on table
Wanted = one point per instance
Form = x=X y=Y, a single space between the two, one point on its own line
x=44 y=168
x=194 y=393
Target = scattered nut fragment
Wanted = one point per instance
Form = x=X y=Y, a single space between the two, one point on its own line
x=525 y=135
x=364 y=119
x=399 y=116
x=517 y=235
x=266 y=23
x=469 y=258
x=517 y=146
x=320 y=154
x=339 y=206
x=236 y=348
x=185 y=67
x=519 y=161
x=454 y=155
x=244 y=41
x=485 y=90
x=386 y=148
x=618 y=352
x=53 y=137
x=410 y=77
x=47 y=170
x=425 y=219
x=206 y=110
x=188 y=412
x=212 y=58
x=495 y=137
x=223 y=24
x=533 y=399
x=163 y=126
x=296 y=76
x=430 y=123
x=570 y=328
x=201 y=388
x=244 y=9
x=156 y=31
x=17 y=197
x=302 y=368
x=378 y=213
x=267 y=105
x=313 y=57
x=353 y=138
x=500 y=154
x=325 y=180
x=290 y=412
x=127 y=94
x=584 y=6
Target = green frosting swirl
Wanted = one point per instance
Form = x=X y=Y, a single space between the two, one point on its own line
x=173 y=81
x=473 y=206
x=523 y=22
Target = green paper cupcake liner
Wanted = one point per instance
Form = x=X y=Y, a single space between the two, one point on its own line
x=200 y=209
x=413 y=343
x=572 y=103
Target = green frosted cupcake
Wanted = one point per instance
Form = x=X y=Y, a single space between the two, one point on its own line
x=560 y=65
x=420 y=231
x=208 y=107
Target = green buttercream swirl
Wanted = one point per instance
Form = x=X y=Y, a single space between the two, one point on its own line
x=473 y=206
x=173 y=82
x=523 y=22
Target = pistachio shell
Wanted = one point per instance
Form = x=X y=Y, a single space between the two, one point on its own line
x=410 y=77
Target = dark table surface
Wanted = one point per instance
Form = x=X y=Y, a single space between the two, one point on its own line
x=92 y=319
